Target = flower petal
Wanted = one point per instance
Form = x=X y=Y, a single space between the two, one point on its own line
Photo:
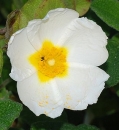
x=87 y=54
x=93 y=94
x=51 y=27
x=41 y=98
x=18 y=51
x=86 y=42
x=82 y=83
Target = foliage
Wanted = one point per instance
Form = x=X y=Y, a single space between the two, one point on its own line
x=112 y=63
x=108 y=13
x=104 y=114
x=9 y=110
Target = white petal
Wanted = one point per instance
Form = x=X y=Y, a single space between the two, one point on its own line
x=82 y=83
x=56 y=112
x=41 y=98
x=86 y=42
x=91 y=97
x=19 y=49
x=51 y=27
x=94 y=93
x=87 y=54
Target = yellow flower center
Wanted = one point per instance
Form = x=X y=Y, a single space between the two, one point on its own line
x=50 y=61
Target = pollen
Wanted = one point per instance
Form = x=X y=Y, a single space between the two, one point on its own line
x=50 y=61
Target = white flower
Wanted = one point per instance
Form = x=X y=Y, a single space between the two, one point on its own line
x=54 y=61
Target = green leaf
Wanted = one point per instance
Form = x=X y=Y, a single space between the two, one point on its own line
x=108 y=11
x=68 y=127
x=2 y=41
x=81 y=6
x=60 y=126
x=17 y=4
x=16 y=129
x=46 y=125
x=87 y=127
x=9 y=111
x=46 y=6
x=1 y=61
x=112 y=64
x=79 y=127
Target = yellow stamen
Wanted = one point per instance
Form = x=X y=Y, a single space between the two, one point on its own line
x=50 y=61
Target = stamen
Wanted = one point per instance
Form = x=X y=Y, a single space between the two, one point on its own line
x=52 y=62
